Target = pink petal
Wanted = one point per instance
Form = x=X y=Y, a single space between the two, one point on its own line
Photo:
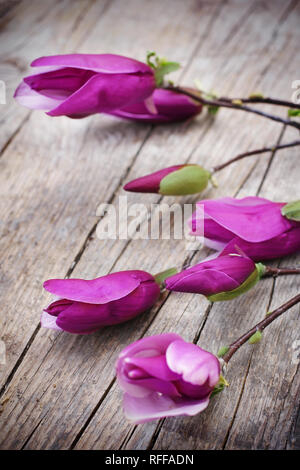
x=155 y=366
x=34 y=100
x=49 y=321
x=150 y=183
x=282 y=245
x=82 y=318
x=155 y=406
x=98 y=291
x=238 y=215
x=194 y=364
x=103 y=63
x=103 y=93
x=220 y=274
x=150 y=346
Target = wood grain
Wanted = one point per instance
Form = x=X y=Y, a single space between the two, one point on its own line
x=59 y=390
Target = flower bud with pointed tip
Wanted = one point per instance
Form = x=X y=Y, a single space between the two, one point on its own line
x=222 y=278
x=172 y=181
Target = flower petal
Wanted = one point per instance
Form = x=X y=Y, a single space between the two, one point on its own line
x=150 y=346
x=49 y=321
x=103 y=63
x=282 y=245
x=82 y=318
x=238 y=215
x=224 y=273
x=104 y=93
x=155 y=366
x=34 y=100
x=194 y=364
x=98 y=291
x=155 y=406
x=150 y=183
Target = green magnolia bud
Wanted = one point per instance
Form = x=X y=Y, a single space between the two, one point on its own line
x=291 y=210
x=189 y=179
x=223 y=350
x=255 y=338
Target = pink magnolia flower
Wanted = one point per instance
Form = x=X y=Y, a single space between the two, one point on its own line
x=77 y=85
x=255 y=224
x=221 y=278
x=173 y=180
x=168 y=107
x=165 y=376
x=83 y=306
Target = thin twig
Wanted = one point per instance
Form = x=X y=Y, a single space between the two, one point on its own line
x=224 y=104
x=255 y=152
x=279 y=271
x=259 y=327
x=262 y=100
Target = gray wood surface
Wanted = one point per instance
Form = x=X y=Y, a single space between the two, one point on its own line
x=58 y=390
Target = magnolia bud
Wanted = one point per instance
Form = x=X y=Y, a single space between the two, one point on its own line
x=172 y=181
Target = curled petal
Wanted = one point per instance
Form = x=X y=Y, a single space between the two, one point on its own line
x=102 y=63
x=98 y=291
x=104 y=93
x=237 y=215
x=155 y=406
x=195 y=365
x=49 y=321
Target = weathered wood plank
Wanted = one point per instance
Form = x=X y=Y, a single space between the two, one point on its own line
x=56 y=223
x=44 y=28
x=113 y=429
x=59 y=392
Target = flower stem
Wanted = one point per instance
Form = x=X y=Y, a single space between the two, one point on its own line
x=262 y=100
x=255 y=152
x=279 y=271
x=259 y=327
x=229 y=104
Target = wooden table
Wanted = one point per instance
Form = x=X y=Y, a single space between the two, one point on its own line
x=59 y=390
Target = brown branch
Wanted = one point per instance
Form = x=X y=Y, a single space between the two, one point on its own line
x=262 y=100
x=279 y=271
x=255 y=152
x=259 y=327
x=224 y=104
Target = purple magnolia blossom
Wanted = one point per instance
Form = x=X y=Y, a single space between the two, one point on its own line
x=165 y=376
x=77 y=85
x=255 y=224
x=83 y=306
x=220 y=278
x=168 y=107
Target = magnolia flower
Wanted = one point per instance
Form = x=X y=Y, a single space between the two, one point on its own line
x=169 y=106
x=174 y=180
x=83 y=306
x=77 y=85
x=255 y=224
x=220 y=278
x=165 y=376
